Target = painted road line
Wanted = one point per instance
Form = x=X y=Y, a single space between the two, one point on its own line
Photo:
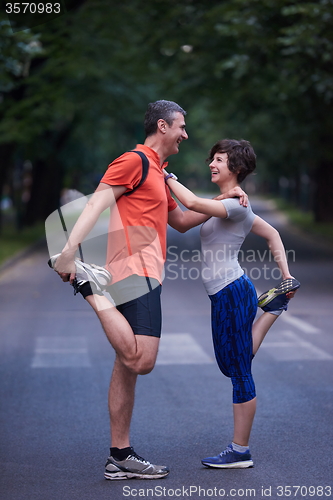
x=61 y=352
x=299 y=323
x=290 y=347
x=181 y=349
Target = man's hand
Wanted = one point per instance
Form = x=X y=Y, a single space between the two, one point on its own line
x=65 y=267
x=235 y=192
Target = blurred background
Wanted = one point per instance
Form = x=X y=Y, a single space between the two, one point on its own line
x=74 y=90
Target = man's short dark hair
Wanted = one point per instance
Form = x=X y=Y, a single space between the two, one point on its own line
x=164 y=110
x=241 y=156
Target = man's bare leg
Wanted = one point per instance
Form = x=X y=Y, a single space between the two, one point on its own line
x=135 y=354
x=131 y=350
x=121 y=403
x=122 y=392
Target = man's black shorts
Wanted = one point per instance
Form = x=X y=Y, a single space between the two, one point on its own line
x=143 y=312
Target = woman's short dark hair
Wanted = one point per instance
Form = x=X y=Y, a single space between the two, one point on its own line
x=164 y=110
x=241 y=156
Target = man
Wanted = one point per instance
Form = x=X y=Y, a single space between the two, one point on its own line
x=135 y=257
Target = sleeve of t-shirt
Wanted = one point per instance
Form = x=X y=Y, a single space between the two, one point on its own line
x=172 y=204
x=235 y=211
x=124 y=171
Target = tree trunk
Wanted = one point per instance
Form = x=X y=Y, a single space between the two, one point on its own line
x=45 y=191
x=47 y=179
x=6 y=151
x=323 y=195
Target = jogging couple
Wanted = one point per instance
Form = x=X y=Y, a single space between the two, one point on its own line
x=136 y=187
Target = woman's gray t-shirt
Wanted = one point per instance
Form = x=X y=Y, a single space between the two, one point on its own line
x=221 y=240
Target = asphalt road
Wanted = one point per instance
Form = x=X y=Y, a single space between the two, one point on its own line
x=56 y=363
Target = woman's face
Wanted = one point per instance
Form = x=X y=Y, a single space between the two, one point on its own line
x=219 y=169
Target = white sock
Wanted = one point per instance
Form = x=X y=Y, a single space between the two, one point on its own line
x=239 y=448
x=276 y=313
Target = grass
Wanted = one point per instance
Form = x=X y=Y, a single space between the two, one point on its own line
x=13 y=241
x=305 y=220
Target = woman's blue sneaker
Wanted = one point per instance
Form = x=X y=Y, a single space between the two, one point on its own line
x=229 y=459
x=276 y=298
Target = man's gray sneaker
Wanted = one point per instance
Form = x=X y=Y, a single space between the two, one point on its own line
x=134 y=467
x=113 y=472
x=86 y=273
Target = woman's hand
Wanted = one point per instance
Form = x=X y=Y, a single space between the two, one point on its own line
x=235 y=192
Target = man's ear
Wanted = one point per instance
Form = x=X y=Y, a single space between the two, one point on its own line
x=162 y=125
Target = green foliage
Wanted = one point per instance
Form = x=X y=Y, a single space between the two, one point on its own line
x=305 y=221
x=16 y=52
x=74 y=90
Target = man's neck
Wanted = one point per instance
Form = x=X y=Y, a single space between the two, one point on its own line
x=153 y=143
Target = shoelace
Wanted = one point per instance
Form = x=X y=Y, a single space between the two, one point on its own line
x=227 y=450
x=137 y=457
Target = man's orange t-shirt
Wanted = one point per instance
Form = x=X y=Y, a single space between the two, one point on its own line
x=138 y=222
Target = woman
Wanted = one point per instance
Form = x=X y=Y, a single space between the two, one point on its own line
x=233 y=297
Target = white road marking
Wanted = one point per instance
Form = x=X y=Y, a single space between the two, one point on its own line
x=61 y=352
x=181 y=349
x=299 y=323
x=291 y=347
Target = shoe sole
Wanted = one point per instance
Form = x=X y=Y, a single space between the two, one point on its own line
x=235 y=465
x=267 y=297
x=133 y=475
x=115 y=476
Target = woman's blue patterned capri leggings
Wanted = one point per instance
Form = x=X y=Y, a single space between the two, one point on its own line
x=233 y=311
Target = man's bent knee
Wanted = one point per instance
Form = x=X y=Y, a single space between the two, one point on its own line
x=144 y=360
x=139 y=365
x=146 y=367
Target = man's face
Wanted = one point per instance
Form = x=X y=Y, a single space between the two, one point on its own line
x=175 y=134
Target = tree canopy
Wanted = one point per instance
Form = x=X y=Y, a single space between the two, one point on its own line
x=74 y=91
